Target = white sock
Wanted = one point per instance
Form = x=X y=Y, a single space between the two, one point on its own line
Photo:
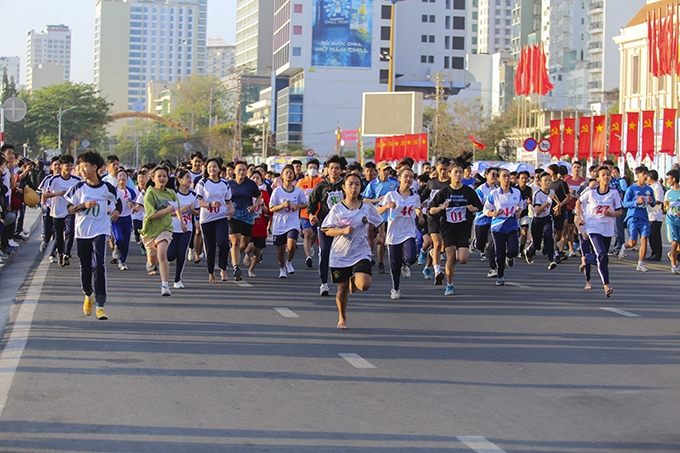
x=437 y=269
x=640 y=263
x=164 y=284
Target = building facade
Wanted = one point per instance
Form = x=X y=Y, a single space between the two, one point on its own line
x=220 y=57
x=254 y=26
x=52 y=45
x=12 y=66
x=495 y=26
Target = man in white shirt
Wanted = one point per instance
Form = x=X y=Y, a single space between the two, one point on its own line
x=655 y=217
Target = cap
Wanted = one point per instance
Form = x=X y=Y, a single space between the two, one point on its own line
x=382 y=165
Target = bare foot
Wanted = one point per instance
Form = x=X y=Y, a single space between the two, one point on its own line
x=212 y=278
x=588 y=286
x=342 y=325
x=223 y=274
x=251 y=274
x=352 y=286
x=197 y=261
x=583 y=265
x=608 y=290
x=246 y=260
x=152 y=273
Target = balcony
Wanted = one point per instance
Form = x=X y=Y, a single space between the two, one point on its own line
x=594 y=65
x=595 y=26
x=595 y=46
x=594 y=85
x=595 y=6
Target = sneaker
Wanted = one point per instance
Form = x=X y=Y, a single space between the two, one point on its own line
x=43 y=246
x=530 y=259
x=53 y=260
x=122 y=266
x=143 y=252
x=622 y=253
x=238 y=274
x=422 y=258
x=289 y=267
x=282 y=273
x=572 y=253
x=395 y=294
x=324 y=290
x=500 y=281
x=557 y=259
x=60 y=260
x=381 y=268
x=309 y=261
x=179 y=285
x=202 y=255
x=641 y=268
x=427 y=272
x=150 y=268
x=482 y=256
x=449 y=290
x=115 y=254
x=190 y=256
x=87 y=305
x=615 y=251
x=552 y=265
x=101 y=314
x=114 y=261
x=406 y=271
x=674 y=270
x=66 y=260
x=13 y=243
x=563 y=256
x=510 y=262
x=165 y=291
x=439 y=278
x=492 y=273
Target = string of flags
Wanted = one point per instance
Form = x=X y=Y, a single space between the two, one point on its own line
x=397 y=147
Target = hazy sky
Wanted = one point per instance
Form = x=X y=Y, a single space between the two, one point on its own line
x=21 y=16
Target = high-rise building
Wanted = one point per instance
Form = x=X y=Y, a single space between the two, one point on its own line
x=495 y=26
x=11 y=64
x=220 y=57
x=526 y=24
x=52 y=45
x=254 y=28
x=141 y=41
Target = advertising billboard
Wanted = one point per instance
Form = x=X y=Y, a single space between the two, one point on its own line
x=341 y=33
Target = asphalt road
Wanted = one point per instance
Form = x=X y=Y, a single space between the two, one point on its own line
x=535 y=367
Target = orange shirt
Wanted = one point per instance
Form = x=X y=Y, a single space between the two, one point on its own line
x=307 y=184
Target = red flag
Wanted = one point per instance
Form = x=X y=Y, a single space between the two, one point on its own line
x=527 y=70
x=650 y=42
x=632 y=123
x=584 y=137
x=399 y=149
x=676 y=36
x=412 y=145
x=569 y=137
x=555 y=139
x=615 y=135
x=599 y=136
x=668 y=139
x=422 y=154
x=476 y=144
x=388 y=149
x=519 y=69
x=379 y=145
x=535 y=70
x=546 y=85
x=648 y=134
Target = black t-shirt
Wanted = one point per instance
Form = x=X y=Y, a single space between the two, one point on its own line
x=561 y=189
x=527 y=195
x=456 y=198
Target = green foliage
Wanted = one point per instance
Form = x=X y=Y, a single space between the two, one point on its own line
x=196 y=99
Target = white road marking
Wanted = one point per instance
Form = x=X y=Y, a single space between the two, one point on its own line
x=480 y=444
x=518 y=285
x=243 y=284
x=356 y=361
x=9 y=359
x=620 y=312
x=286 y=312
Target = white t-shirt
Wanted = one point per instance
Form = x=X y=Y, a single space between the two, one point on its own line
x=94 y=221
x=656 y=213
x=540 y=198
x=126 y=195
x=6 y=179
x=43 y=187
x=139 y=201
x=349 y=249
x=210 y=191
x=286 y=219
x=593 y=205
x=59 y=206
x=188 y=199
x=401 y=220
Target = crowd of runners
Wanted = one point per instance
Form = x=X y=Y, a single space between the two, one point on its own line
x=223 y=213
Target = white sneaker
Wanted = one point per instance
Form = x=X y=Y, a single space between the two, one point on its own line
x=115 y=254
x=122 y=266
x=202 y=255
x=179 y=285
x=165 y=291
x=190 y=256
x=282 y=273
x=573 y=253
x=13 y=243
x=406 y=271
x=674 y=270
x=395 y=294
x=622 y=253
x=641 y=268
x=289 y=267
x=53 y=259
x=324 y=290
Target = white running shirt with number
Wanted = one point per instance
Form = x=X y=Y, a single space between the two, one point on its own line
x=349 y=249
x=92 y=222
x=210 y=191
x=593 y=206
x=139 y=201
x=188 y=199
x=286 y=219
x=401 y=220
x=126 y=195
x=59 y=207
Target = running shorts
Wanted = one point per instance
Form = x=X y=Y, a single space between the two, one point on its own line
x=281 y=239
x=673 y=232
x=637 y=227
x=342 y=274
x=240 y=227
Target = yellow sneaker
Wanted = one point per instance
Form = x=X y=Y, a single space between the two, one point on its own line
x=87 y=306
x=101 y=315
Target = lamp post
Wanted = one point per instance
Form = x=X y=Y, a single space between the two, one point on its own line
x=390 y=83
x=61 y=112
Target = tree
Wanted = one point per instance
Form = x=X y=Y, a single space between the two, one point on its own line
x=87 y=120
x=9 y=88
x=197 y=99
x=17 y=133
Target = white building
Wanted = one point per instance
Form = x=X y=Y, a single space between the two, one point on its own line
x=220 y=57
x=46 y=74
x=138 y=42
x=11 y=64
x=495 y=26
x=254 y=28
x=52 y=45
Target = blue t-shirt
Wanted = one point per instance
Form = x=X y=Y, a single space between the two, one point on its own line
x=242 y=197
x=469 y=181
x=377 y=188
x=673 y=213
x=635 y=210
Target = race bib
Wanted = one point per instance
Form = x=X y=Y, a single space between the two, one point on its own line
x=674 y=208
x=186 y=218
x=403 y=210
x=334 y=198
x=346 y=219
x=456 y=215
x=509 y=210
x=600 y=209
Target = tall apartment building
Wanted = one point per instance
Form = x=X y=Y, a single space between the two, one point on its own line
x=495 y=26
x=526 y=24
x=52 y=45
x=141 y=41
x=11 y=64
x=254 y=25
x=220 y=57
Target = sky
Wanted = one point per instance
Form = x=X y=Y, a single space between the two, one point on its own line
x=22 y=16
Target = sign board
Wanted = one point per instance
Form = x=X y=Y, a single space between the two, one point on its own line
x=15 y=109
x=392 y=113
x=310 y=152
x=530 y=144
x=544 y=145
x=85 y=143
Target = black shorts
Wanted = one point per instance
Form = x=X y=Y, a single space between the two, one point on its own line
x=558 y=221
x=342 y=274
x=459 y=239
x=240 y=227
x=281 y=239
x=422 y=227
x=570 y=217
x=433 y=224
x=259 y=243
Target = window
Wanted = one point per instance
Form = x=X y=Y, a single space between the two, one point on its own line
x=297 y=51
x=474 y=28
x=384 y=52
x=297 y=29
x=424 y=18
x=447 y=22
x=458 y=4
x=386 y=12
x=474 y=15
x=432 y=18
x=458 y=62
x=448 y=4
x=385 y=33
x=423 y=38
x=430 y=59
x=446 y=62
x=384 y=76
x=474 y=40
x=459 y=23
x=431 y=38
x=458 y=42
x=423 y=58
x=297 y=8
x=447 y=42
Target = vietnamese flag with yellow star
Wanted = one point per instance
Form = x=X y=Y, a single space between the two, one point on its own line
x=599 y=136
x=569 y=137
x=668 y=136
x=648 y=134
x=632 y=124
x=615 y=134
x=555 y=142
x=584 y=137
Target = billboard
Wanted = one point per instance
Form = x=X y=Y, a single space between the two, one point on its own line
x=341 y=33
x=395 y=113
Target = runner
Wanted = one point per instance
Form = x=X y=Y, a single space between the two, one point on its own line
x=89 y=200
x=47 y=221
x=63 y=221
x=138 y=209
x=307 y=184
x=196 y=244
x=561 y=189
x=404 y=206
x=122 y=227
x=672 y=208
x=214 y=197
x=504 y=205
x=453 y=206
x=597 y=209
x=483 y=222
x=524 y=218
x=638 y=197
x=433 y=187
x=181 y=237
x=348 y=222
x=586 y=245
x=374 y=193
x=546 y=204
x=160 y=203
x=574 y=181
x=259 y=238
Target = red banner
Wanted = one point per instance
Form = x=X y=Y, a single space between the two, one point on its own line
x=422 y=147
x=599 y=136
x=379 y=146
x=632 y=124
x=648 y=134
x=388 y=150
x=668 y=137
x=399 y=149
x=584 y=137
x=615 y=134
x=569 y=137
x=555 y=138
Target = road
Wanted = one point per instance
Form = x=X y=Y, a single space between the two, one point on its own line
x=541 y=366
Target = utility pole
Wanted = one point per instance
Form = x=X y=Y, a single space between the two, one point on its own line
x=210 y=116
x=439 y=99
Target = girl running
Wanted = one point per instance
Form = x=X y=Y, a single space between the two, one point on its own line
x=258 y=239
x=348 y=223
x=243 y=190
x=181 y=237
x=122 y=228
x=138 y=208
x=285 y=206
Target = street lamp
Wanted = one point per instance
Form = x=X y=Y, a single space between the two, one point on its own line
x=61 y=112
x=390 y=83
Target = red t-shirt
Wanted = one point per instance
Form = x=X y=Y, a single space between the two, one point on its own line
x=261 y=220
x=574 y=184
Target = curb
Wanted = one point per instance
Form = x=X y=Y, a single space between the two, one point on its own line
x=31 y=230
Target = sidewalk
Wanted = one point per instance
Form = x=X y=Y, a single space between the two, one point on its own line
x=31 y=223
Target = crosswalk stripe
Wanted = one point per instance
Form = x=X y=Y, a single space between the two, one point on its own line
x=620 y=312
x=286 y=312
x=480 y=444
x=243 y=284
x=356 y=360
